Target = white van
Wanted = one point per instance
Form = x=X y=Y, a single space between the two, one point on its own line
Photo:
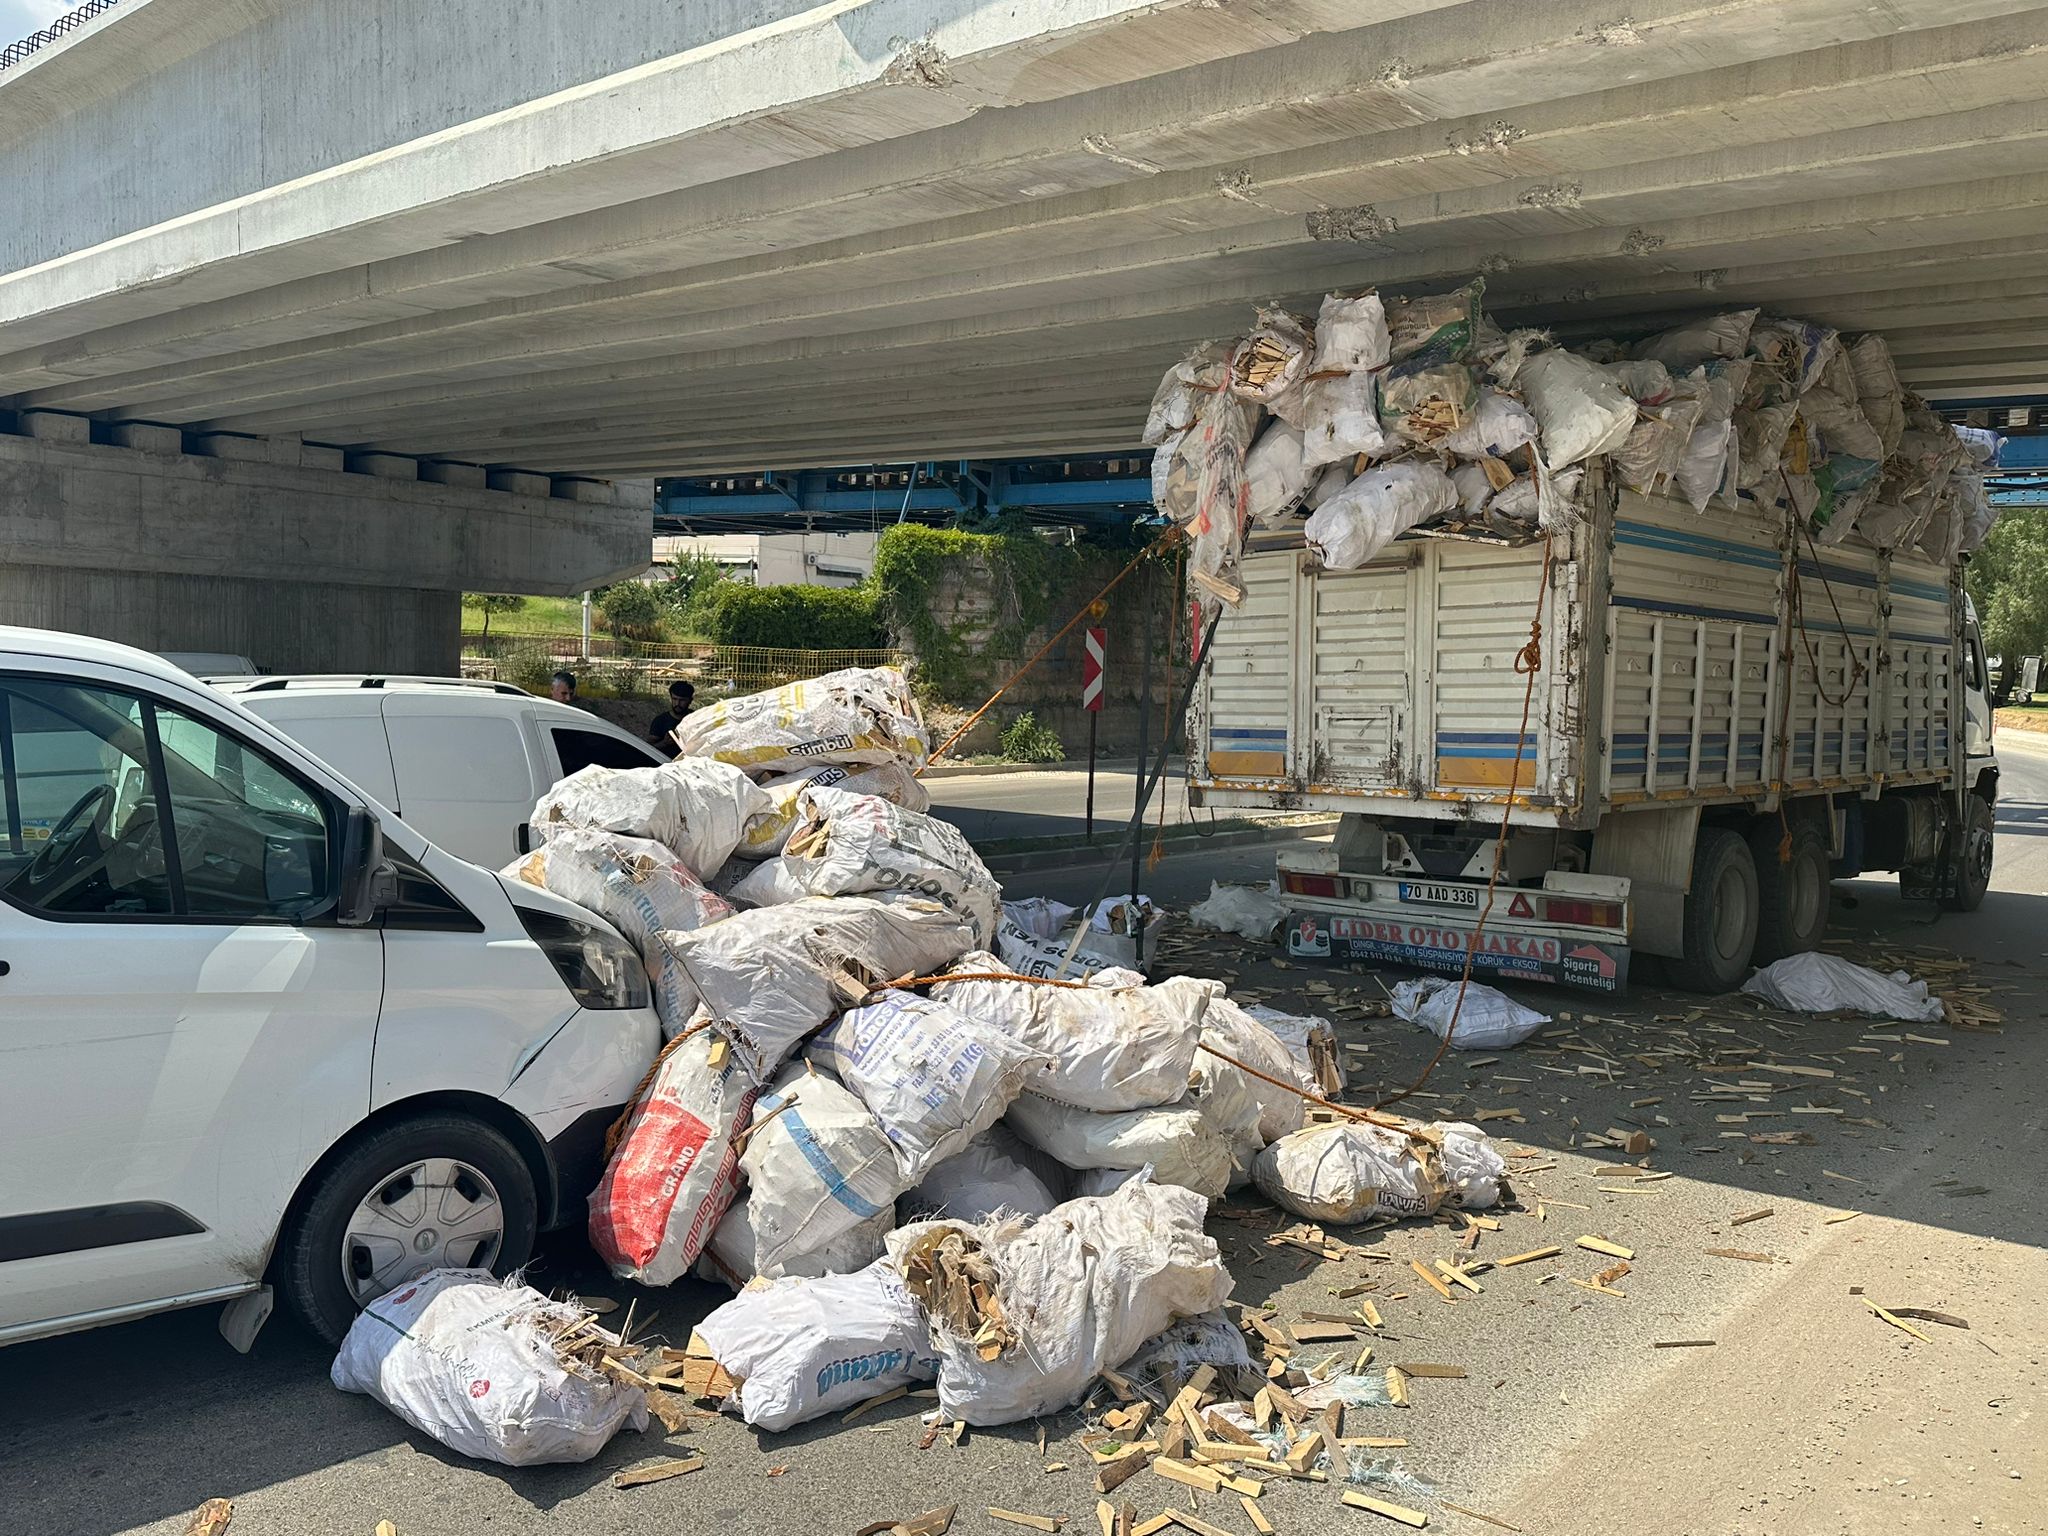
x=255 y=1031
x=463 y=762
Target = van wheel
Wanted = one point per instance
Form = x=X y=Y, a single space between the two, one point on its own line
x=1793 y=898
x=1970 y=872
x=1719 y=931
x=437 y=1191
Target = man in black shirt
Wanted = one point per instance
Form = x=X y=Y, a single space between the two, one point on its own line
x=659 y=729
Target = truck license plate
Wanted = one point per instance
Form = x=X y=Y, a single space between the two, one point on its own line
x=1441 y=895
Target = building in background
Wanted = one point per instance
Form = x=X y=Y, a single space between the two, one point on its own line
x=777 y=559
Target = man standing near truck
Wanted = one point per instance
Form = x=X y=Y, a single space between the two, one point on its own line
x=661 y=729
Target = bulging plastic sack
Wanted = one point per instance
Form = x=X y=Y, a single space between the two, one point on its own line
x=1425 y=402
x=1650 y=459
x=696 y=807
x=770 y=976
x=1234 y=1032
x=1846 y=448
x=1184 y=1346
x=675 y=1170
x=729 y=1259
x=1351 y=335
x=1117 y=1046
x=770 y=883
x=1980 y=444
x=1173 y=404
x=1435 y=327
x=857 y=715
x=1352 y=1171
x=1329 y=481
x=469 y=1360
x=643 y=889
x=800 y=1348
x=1074 y=1292
x=1538 y=500
x=848 y=844
x=1685 y=347
x=817 y=1163
x=1583 y=412
x=1706 y=470
x=1796 y=351
x=1230 y=1102
x=1271 y=360
x=1979 y=513
x=1644 y=380
x=1039 y=916
x=1760 y=435
x=1375 y=509
x=1820 y=983
x=1274 y=475
x=1174 y=478
x=975 y=1183
x=934 y=1076
x=1878 y=391
x=1341 y=419
x=1250 y=911
x=1024 y=954
x=1487 y=1020
x=1475 y=490
x=1178 y=1143
x=768 y=830
x=1471 y=1162
x=1312 y=1042
x=1500 y=424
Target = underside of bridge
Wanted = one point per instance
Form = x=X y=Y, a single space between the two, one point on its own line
x=772 y=236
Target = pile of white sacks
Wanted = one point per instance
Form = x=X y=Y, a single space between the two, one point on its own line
x=812 y=1135
x=1381 y=415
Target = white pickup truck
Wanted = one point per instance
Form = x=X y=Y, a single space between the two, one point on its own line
x=1724 y=717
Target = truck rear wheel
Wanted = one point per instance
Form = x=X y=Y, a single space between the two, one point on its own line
x=1970 y=877
x=1719 y=932
x=1792 y=898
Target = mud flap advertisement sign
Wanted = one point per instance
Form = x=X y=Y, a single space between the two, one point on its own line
x=1596 y=966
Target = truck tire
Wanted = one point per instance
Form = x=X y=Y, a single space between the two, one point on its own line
x=1719 y=931
x=1971 y=870
x=1792 y=899
x=438 y=1190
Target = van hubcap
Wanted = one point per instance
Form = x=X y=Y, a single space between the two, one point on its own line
x=439 y=1213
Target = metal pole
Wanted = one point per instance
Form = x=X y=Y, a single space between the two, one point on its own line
x=1089 y=834
x=1140 y=788
x=586 y=626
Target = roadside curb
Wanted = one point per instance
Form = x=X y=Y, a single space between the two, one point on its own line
x=1065 y=765
x=1068 y=853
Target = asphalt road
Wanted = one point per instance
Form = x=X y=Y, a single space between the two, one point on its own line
x=1806 y=1415
x=1052 y=802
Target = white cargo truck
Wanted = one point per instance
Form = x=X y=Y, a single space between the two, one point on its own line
x=1724 y=717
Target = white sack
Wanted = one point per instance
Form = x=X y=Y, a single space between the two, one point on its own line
x=1182 y=1347
x=1685 y=347
x=1489 y=1020
x=1372 y=511
x=1472 y=1163
x=1649 y=461
x=1312 y=1042
x=728 y=1259
x=696 y=807
x=1980 y=444
x=1177 y=1142
x=1233 y=1031
x=1474 y=489
x=974 y=1184
x=847 y=844
x=766 y=831
x=1081 y=1287
x=801 y=1348
x=1341 y=419
x=1039 y=916
x=1174 y=402
x=464 y=1357
x=1878 y=390
x=1526 y=499
x=1274 y=475
x=1250 y=911
x=1093 y=1183
x=1024 y=955
x=1349 y=1171
x=1760 y=440
x=1329 y=481
x=1271 y=361
x=1351 y=335
x=1583 y=412
x=1818 y=983
x=674 y=1170
x=1230 y=1102
x=771 y=976
x=1797 y=351
x=818 y=1164
x=769 y=883
x=1705 y=470
x=1644 y=380
x=857 y=715
x=1116 y=1046
x=935 y=1077
x=1500 y=424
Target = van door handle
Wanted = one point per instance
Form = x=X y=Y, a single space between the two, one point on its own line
x=523 y=838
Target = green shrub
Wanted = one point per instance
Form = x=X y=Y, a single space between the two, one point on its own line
x=1026 y=741
x=800 y=618
x=634 y=610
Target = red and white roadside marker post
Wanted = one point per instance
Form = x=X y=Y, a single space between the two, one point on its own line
x=1095 y=645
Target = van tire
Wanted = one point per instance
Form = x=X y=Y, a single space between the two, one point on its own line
x=1719 y=930
x=1792 y=898
x=309 y=1272
x=1969 y=876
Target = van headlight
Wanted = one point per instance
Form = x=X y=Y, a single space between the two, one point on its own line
x=598 y=967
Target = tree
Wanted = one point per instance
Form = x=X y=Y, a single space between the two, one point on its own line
x=633 y=610
x=489 y=603
x=2008 y=578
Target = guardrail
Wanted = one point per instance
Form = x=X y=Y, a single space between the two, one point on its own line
x=70 y=21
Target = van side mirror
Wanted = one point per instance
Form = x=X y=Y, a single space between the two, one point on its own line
x=365 y=878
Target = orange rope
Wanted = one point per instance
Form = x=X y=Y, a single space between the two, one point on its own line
x=1528 y=662
x=1164 y=541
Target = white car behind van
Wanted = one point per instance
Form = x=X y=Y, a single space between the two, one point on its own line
x=258 y=1033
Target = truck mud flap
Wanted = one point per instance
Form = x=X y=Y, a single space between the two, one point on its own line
x=1588 y=964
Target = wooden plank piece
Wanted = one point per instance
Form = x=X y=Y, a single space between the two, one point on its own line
x=1529 y=1257
x=1188 y=1474
x=876 y=1401
x=1195 y=1523
x=1400 y=1512
x=210 y=1518
x=1613 y=1250
x=1259 y=1522
x=1435 y=1284
x=1047 y=1523
x=660 y=1472
x=1476 y=1515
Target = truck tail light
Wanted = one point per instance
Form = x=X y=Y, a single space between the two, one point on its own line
x=1587 y=914
x=1310 y=885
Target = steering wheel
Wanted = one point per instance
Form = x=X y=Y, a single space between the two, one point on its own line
x=92 y=813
